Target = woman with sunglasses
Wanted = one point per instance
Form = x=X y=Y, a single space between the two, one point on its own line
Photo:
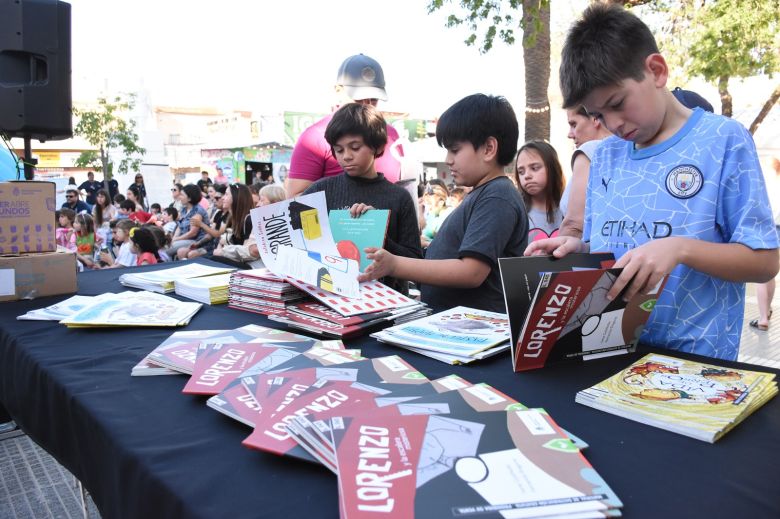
x=215 y=193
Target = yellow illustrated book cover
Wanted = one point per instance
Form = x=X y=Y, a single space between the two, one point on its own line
x=703 y=401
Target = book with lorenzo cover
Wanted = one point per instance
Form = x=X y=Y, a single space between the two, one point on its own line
x=490 y=464
x=699 y=400
x=520 y=277
x=341 y=386
x=571 y=319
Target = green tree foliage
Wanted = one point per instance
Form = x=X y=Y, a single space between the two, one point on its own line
x=502 y=19
x=723 y=39
x=107 y=129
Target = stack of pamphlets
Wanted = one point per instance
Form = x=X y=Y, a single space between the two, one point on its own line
x=162 y=281
x=558 y=310
x=703 y=401
x=211 y=290
x=261 y=291
x=457 y=336
x=132 y=309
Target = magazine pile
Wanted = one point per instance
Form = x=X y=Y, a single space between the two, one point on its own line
x=311 y=280
x=559 y=312
x=163 y=281
x=457 y=336
x=703 y=401
x=211 y=290
x=400 y=444
x=121 y=310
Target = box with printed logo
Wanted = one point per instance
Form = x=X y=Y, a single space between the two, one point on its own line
x=27 y=217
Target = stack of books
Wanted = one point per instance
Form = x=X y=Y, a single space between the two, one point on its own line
x=341 y=317
x=132 y=309
x=703 y=401
x=211 y=290
x=163 y=281
x=457 y=336
x=444 y=444
x=261 y=291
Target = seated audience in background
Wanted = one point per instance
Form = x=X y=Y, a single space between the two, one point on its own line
x=170 y=217
x=65 y=235
x=656 y=200
x=215 y=194
x=102 y=213
x=539 y=177
x=457 y=194
x=187 y=234
x=134 y=194
x=73 y=202
x=461 y=266
x=118 y=199
x=235 y=241
x=155 y=209
x=85 y=239
x=120 y=235
x=176 y=196
x=436 y=211
x=162 y=240
x=271 y=194
x=357 y=135
x=144 y=246
x=211 y=232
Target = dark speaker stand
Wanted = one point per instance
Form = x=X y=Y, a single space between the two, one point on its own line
x=29 y=161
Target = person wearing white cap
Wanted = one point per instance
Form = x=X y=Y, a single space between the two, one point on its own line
x=360 y=79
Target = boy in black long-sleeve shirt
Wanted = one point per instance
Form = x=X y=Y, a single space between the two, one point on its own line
x=357 y=136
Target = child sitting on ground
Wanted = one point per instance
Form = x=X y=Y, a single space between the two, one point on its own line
x=144 y=246
x=125 y=256
x=84 y=227
x=65 y=235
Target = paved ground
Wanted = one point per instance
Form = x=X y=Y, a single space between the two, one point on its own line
x=34 y=486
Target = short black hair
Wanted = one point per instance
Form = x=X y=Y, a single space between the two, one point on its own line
x=127 y=204
x=477 y=117
x=173 y=212
x=606 y=46
x=156 y=206
x=358 y=119
x=193 y=193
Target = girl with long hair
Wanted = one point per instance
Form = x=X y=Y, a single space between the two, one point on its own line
x=145 y=246
x=102 y=213
x=85 y=239
x=539 y=177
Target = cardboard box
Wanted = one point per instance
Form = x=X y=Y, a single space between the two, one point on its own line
x=29 y=276
x=27 y=217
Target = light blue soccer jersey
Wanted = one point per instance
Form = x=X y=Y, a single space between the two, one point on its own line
x=705 y=182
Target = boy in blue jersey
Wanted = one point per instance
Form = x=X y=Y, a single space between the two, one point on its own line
x=675 y=191
x=480 y=134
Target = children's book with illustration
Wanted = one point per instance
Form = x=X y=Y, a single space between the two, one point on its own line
x=163 y=280
x=514 y=463
x=700 y=400
x=133 y=309
x=353 y=235
x=458 y=331
x=520 y=277
x=571 y=319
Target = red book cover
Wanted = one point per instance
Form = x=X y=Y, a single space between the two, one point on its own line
x=461 y=464
x=328 y=388
x=218 y=364
x=571 y=319
x=236 y=402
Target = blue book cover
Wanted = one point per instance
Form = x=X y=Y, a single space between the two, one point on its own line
x=353 y=235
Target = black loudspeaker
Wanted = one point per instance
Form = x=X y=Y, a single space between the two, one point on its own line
x=35 y=89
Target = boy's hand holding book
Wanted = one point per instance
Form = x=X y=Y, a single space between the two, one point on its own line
x=383 y=264
x=358 y=209
x=559 y=247
x=645 y=266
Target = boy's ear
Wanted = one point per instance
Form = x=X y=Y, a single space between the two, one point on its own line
x=490 y=149
x=659 y=70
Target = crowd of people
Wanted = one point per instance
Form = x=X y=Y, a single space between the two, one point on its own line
x=640 y=187
x=201 y=219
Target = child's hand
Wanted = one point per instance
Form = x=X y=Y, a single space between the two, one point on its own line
x=106 y=258
x=383 y=264
x=645 y=266
x=559 y=246
x=358 y=209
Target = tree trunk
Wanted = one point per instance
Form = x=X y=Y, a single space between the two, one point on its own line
x=725 y=96
x=536 y=56
x=774 y=96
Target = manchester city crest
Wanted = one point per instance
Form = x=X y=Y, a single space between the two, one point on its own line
x=684 y=181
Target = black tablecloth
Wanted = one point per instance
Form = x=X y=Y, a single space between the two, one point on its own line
x=144 y=449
